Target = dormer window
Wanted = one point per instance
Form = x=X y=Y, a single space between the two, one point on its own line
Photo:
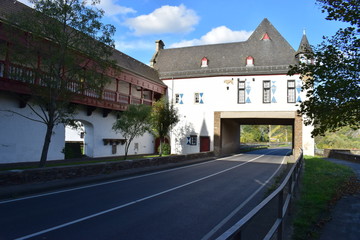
x=249 y=61
x=204 y=62
x=265 y=37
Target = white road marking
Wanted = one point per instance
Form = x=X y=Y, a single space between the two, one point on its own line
x=134 y=202
x=108 y=182
x=236 y=210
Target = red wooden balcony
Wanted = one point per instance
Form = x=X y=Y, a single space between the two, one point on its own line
x=16 y=78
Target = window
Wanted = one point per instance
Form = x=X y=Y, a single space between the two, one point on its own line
x=177 y=98
x=266 y=92
x=241 y=95
x=204 y=62
x=291 y=91
x=249 y=61
x=197 y=97
x=192 y=140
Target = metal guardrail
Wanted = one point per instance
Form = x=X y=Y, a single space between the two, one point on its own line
x=284 y=194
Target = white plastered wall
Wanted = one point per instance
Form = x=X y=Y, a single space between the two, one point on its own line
x=221 y=94
x=21 y=140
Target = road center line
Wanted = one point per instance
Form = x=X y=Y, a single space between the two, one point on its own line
x=134 y=202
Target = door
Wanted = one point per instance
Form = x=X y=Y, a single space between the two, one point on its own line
x=204 y=143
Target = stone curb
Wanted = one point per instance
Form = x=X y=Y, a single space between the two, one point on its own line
x=106 y=173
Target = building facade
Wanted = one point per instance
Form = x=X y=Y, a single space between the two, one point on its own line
x=217 y=88
x=21 y=139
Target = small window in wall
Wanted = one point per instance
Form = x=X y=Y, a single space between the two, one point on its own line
x=177 y=98
x=291 y=93
x=197 y=98
x=192 y=140
x=241 y=94
x=249 y=61
x=266 y=92
x=204 y=62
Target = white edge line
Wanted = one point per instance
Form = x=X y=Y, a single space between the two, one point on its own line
x=133 y=202
x=225 y=220
x=108 y=182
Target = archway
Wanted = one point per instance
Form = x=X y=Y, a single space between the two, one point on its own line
x=79 y=140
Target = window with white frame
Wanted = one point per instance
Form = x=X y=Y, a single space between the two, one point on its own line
x=196 y=97
x=241 y=94
x=291 y=93
x=266 y=91
x=204 y=62
x=177 y=98
x=193 y=140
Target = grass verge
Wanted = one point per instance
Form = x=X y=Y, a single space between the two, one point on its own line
x=322 y=183
x=69 y=162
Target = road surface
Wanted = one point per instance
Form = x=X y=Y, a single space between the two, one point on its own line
x=191 y=202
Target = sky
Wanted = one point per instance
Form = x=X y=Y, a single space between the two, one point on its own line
x=181 y=23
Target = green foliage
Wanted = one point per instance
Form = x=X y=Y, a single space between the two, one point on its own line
x=73 y=150
x=332 y=82
x=163 y=117
x=344 y=138
x=133 y=122
x=280 y=133
x=254 y=133
x=320 y=183
x=165 y=148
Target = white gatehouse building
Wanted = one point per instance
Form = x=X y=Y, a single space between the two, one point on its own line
x=216 y=89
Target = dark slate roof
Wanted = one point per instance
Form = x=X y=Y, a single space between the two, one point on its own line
x=123 y=61
x=271 y=56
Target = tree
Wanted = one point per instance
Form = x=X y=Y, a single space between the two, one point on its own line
x=68 y=50
x=133 y=122
x=163 y=117
x=332 y=81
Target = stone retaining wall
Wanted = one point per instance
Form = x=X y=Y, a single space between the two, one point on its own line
x=349 y=155
x=14 y=177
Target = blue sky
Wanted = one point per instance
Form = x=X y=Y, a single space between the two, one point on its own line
x=139 y=23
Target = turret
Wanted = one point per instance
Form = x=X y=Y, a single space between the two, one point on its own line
x=304 y=50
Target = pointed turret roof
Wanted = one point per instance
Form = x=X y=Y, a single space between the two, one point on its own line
x=272 y=55
x=304 y=46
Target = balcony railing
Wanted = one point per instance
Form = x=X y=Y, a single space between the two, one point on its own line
x=28 y=75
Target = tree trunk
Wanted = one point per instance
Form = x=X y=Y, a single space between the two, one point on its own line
x=160 y=152
x=127 y=145
x=45 y=149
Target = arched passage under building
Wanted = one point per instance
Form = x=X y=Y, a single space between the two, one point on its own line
x=83 y=135
x=227 y=128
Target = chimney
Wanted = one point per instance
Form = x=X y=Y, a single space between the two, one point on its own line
x=159 y=45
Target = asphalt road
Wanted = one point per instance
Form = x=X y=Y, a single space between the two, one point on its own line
x=191 y=202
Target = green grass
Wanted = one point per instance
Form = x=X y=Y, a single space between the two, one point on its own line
x=321 y=182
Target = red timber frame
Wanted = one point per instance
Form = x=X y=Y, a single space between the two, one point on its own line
x=112 y=99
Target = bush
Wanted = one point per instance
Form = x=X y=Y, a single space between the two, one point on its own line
x=166 y=149
x=73 y=150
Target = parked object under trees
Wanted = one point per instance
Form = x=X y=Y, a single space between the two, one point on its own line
x=68 y=49
x=332 y=80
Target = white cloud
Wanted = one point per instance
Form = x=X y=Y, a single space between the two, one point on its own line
x=112 y=8
x=167 y=19
x=220 y=34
